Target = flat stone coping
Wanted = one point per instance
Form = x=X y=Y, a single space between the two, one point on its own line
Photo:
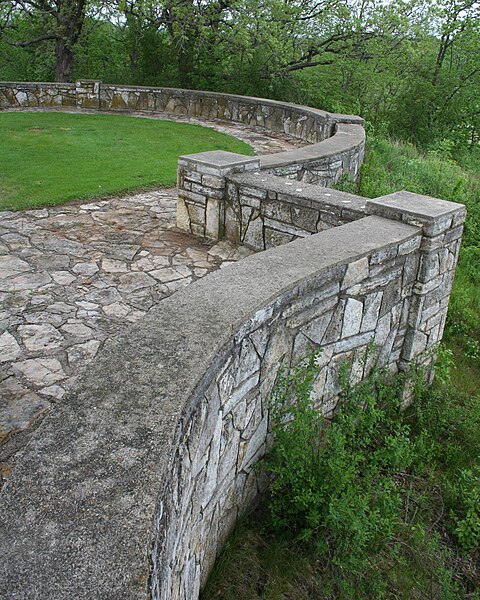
x=305 y=194
x=345 y=138
x=77 y=517
x=219 y=158
x=415 y=205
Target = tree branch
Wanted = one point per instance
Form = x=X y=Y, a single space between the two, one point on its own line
x=40 y=38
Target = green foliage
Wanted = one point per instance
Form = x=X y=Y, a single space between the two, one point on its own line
x=378 y=503
x=443 y=172
x=448 y=423
x=465 y=491
x=410 y=65
x=338 y=487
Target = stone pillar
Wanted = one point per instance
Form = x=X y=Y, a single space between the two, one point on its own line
x=88 y=93
x=202 y=190
x=442 y=226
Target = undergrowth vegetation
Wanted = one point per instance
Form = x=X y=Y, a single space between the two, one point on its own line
x=381 y=502
x=378 y=503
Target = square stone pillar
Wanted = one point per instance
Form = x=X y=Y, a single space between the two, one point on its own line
x=442 y=226
x=202 y=192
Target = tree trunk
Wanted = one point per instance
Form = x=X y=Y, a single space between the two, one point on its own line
x=185 y=65
x=70 y=18
x=63 y=61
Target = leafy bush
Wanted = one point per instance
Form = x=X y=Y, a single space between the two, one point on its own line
x=341 y=487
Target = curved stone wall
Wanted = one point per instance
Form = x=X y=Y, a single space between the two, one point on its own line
x=337 y=141
x=129 y=488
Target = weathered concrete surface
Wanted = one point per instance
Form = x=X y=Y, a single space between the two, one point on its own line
x=70 y=278
x=85 y=529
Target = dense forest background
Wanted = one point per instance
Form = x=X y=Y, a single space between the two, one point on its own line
x=411 y=68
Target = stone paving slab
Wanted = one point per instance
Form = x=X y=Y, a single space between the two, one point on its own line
x=73 y=276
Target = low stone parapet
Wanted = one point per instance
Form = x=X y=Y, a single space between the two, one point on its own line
x=337 y=141
x=130 y=487
x=142 y=471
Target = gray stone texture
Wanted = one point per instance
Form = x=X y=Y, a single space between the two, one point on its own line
x=220 y=342
x=147 y=460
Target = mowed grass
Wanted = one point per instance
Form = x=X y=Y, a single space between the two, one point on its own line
x=51 y=158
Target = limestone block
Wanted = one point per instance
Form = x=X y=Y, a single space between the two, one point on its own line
x=211 y=181
x=285 y=228
x=334 y=328
x=253 y=447
x=372 y=311
x=429 y=266
x=9 y=348
x=248 y=362
x=232 y=225
x=356 y=272
x=253 y=192
x=415 y=343
x=300 y=314
x=259 y=338
x=229 y=451
x=277 y=211
x=352 y=319
x=254 y=234
x=196 y=213
x=305 y=218
x=210 y=484
x=249 y=201
x=193 y=197
x=241 y=391
x=40 y=337
x=212 y=226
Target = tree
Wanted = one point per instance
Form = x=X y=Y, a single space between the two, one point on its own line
x=60 y=20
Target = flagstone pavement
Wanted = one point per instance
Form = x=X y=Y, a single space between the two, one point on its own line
x=73 y=276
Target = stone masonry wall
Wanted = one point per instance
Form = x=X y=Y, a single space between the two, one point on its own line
x=263 y=211
x=226 y=195
x=322 y=165
x=340 y=310
x=442 y=226
x=337 y=141
x=142 y=471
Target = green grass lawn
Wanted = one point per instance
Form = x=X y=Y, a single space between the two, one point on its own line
x=50 y=158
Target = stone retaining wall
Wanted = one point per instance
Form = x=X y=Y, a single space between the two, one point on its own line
x=222 y=195
x=337 y=141
x=141 y=472
x=130 y=487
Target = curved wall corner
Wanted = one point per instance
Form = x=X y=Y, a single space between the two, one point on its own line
x=337 y=141
x=129 y=488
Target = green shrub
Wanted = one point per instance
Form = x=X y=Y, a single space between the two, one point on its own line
x=340 y=487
